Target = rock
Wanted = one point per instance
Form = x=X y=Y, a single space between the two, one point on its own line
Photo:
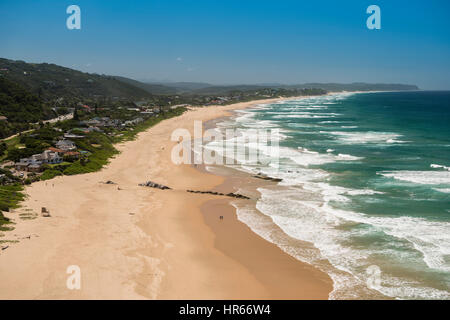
x=232 y=195
x=264 y=177
x=5 y=247
x=236 y=195
x=45 y=212
x=109 y=182
x=155 y=185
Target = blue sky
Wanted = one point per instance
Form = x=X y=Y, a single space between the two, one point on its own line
x=230 y=41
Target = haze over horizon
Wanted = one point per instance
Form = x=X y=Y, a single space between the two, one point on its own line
x=236 y=42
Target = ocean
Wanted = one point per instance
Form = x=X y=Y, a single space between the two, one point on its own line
x=366 y=188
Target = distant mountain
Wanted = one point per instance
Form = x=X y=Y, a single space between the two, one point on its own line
x=214 y=90
x=52 y=81
x=186 y=86
x=356 y=86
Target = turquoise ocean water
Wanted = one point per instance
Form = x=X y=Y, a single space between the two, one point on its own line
x=366 y=184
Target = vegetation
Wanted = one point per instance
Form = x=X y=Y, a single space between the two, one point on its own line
x=20 y=107
x=10 y=196
x=131 y=134
x=100 y=148
x=50 y=174
x=32 y=143
x=49 y=81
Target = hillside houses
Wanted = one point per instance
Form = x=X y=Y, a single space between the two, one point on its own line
x=133 y=122
x=65 y=150
x=35 y=162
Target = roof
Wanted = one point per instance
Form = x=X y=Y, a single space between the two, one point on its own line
x=21 y=163
x=72 y=153
x=65 y=142
x=52 y=149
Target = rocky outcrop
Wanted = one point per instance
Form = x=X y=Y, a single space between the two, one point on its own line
x=265 y=177
x=232 y=195
x=155 y=185
x=237 y=195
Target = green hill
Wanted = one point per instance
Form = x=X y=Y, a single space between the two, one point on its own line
x=20 y=107
x=151 y=88
x=50 y=81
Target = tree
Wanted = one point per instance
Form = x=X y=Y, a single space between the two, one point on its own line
x=75 y=114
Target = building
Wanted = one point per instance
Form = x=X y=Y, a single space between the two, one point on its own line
x=72 y=136
x=133 y=122
x=66 y=145
x=71 y=155
x=21 y=166
x=35 y=162
x=46 y=157
x=34 y=167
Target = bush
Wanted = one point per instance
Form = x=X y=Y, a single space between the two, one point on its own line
x=50 y=174
x=3 y=221
x=10 y=196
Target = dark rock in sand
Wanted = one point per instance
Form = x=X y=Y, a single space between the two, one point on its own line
x=264 y=177
x=233 y=195
x=155 y=185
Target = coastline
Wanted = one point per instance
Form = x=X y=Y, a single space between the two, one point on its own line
x=140 y=243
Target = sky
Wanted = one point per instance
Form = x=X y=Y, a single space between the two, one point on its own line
x=236 y=42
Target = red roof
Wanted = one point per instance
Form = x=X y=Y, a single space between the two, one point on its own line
x=72 y=153
x=56 y=150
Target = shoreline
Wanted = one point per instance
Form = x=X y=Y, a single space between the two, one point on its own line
x=140 y=243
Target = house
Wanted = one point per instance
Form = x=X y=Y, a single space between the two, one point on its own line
x=86 y=108
x=46 y=157
x=35 y=162
x=93 y=122
x=93 y=129
x=72 y=136
x=21 y=166
x=133 y=122
x=71 y=155
x=34 y=168
x=66 y=145
x=134 y=109
x=60 y=151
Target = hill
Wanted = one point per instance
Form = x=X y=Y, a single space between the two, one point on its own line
x=50 y=81
x=152 y=88
x=20 y=107
x=205 y=89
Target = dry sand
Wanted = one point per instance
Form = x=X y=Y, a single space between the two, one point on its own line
x=143 y=243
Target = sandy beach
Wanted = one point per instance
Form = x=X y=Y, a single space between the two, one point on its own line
x=133 y=242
